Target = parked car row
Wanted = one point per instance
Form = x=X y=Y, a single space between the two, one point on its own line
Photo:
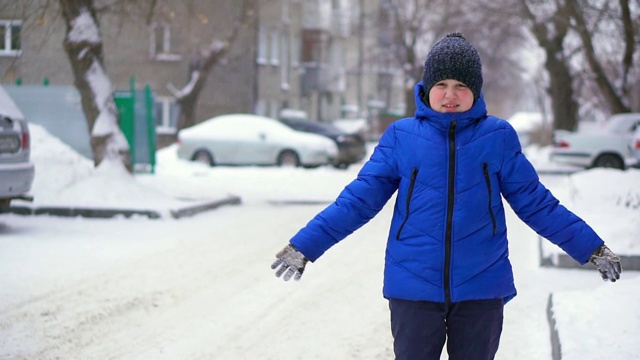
x=293 y=140
x=16 y=169
x=611 y=145
x=247 y=139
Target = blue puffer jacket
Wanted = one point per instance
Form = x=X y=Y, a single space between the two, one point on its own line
x=448 y=236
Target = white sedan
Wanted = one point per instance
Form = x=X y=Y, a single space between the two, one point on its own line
x=247 y=139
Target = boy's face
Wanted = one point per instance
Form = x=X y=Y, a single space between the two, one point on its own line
x=450 y=96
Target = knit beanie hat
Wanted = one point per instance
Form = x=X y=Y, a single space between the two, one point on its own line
x=453 y=57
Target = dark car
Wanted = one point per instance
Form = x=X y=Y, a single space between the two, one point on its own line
x=351 y=147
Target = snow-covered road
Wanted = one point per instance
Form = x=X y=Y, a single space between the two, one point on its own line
x=201 y=288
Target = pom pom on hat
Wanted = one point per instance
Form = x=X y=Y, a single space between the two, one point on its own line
x=453 y=57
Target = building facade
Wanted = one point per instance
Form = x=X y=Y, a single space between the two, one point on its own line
x=319 y=56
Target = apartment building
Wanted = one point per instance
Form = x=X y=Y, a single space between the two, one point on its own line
x=319 y=56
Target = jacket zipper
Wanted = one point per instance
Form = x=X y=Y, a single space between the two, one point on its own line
x=414 y=174
x=485 y=166
x=450 y=198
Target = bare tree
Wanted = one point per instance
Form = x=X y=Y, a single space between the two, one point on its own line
x=83 y=45
x=204 y=61
x=549 y=25
x=591 y=23
x=417 y=24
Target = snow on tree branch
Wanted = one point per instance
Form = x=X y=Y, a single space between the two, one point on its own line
x=216 y=46
x=187 y=89
x=84 y=29
x=101 y=88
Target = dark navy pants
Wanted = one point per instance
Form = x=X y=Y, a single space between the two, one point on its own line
x=471 y=329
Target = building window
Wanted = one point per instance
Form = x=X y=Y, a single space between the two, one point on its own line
x=10 y=44
x=166 y=114
x=263 y=46
x=285 y=70
x=261 y=107
x=160 y=47
x=295 y=51
x=268 y=47
x=275 y=48
x=311 y=46
x=273 y=108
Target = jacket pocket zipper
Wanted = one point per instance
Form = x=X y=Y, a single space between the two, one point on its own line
x=414 y=174
x=487 y=179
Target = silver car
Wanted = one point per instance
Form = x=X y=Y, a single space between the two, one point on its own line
x=16 y=169
x=247 y=139
x=605 y=146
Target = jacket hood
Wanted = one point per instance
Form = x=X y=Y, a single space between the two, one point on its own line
x=442 y=120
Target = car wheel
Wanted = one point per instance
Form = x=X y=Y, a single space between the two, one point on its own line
x=609 y=161
x=5 y=205
x=203 y=156
x=342 y=165
x=288 y=158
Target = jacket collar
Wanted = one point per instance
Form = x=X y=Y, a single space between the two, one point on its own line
x=443 y=120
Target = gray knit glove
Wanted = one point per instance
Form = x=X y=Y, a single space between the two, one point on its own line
x=289 y=262
x=607 y=263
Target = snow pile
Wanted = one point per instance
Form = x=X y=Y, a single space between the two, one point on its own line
x=603 y=316
x=58 y=166
x=605 y=196
x=66 y=178
x=595 y=187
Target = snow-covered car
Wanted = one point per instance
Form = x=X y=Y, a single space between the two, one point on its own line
x=16 y=169
x=605 y=146
x=247 y=139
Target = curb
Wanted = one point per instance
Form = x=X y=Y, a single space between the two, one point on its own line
x=556 y=171
x=556 y=348
x=298 y=202
x=193 y=210
x=127 y=213
x=564 y=261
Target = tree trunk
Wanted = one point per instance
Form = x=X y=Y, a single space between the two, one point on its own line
x=189 y=99
x=550 y=35
x=563 y=104
x=409 y=98
x=83 y=46
x=202 y=65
